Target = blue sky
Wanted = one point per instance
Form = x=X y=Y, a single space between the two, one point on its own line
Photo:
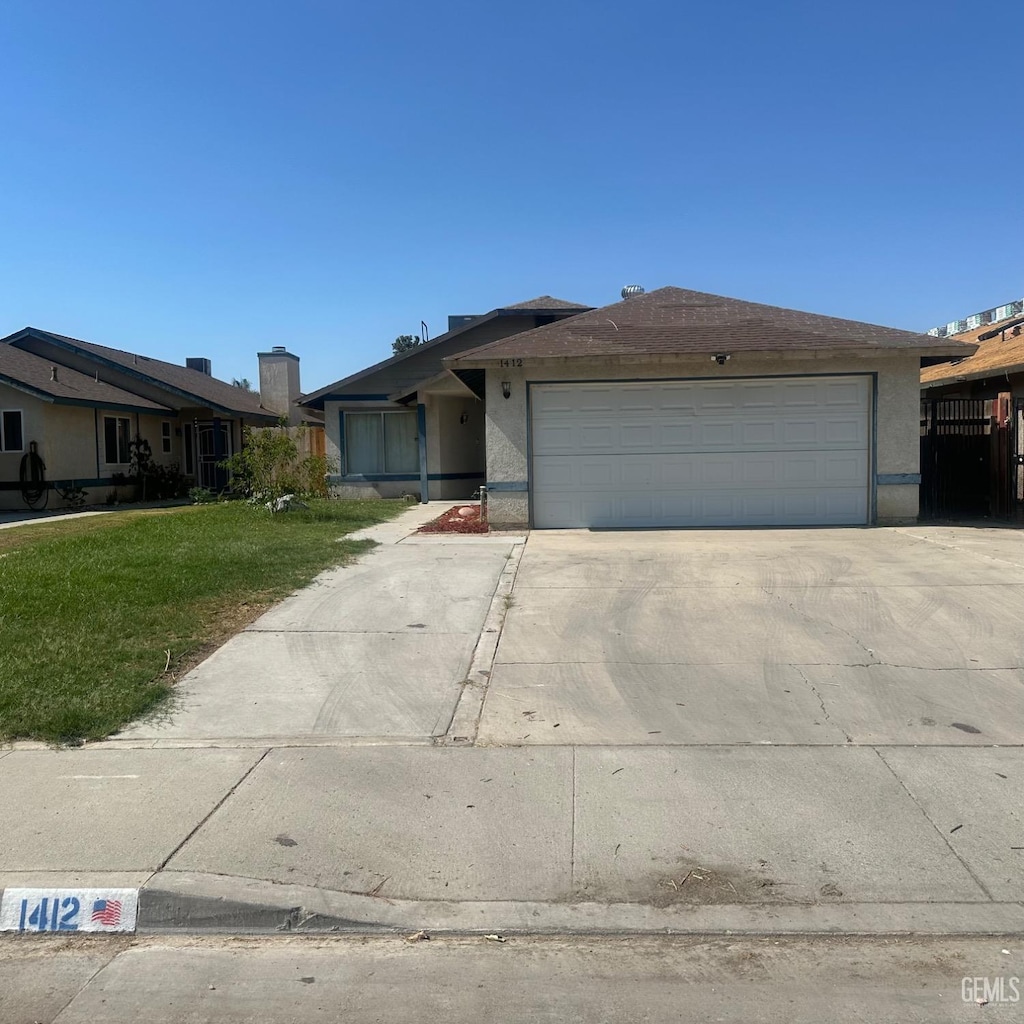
x=214 y=178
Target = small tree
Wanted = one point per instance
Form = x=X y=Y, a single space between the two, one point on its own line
x=243 y=385
x=405 y=342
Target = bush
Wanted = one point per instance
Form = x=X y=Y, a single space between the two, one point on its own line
x=155 y=481
x=270 y=466
x=201 y=496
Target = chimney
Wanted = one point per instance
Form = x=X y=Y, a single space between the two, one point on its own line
x=279 y=383
x=200 y=364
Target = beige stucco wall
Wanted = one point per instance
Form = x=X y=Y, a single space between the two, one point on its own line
x=898 y=444
x=457 y=447
x=33 y=420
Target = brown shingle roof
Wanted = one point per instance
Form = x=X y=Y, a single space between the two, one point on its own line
x=995 y=356
x=676 y=321
x=193 y=383
x=33 y=373
x=546 y=302
x=539 y=303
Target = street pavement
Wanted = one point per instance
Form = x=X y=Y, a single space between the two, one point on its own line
x=465 y=980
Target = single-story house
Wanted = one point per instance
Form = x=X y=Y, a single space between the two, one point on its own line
x=680 y=408
x=406 y=426
x=995 y=368
x=79 y=405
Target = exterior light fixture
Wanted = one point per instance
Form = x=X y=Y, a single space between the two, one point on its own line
x=721 y=358
x=506 y=388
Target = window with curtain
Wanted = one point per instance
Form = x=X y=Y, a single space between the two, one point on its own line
x=381 y=442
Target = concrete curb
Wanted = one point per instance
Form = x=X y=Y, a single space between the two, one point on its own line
x=188 y=902
x=466 y=719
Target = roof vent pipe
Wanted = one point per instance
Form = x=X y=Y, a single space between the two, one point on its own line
x=632 y=290
x=53 y=373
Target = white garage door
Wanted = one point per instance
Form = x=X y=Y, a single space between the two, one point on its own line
x=769 y=451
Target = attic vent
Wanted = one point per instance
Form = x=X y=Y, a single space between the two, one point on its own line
x=632 y=290
x=200 y=364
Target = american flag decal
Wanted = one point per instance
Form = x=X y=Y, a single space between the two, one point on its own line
x=107 y=912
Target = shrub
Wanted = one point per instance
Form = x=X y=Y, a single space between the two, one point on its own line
x=270 y=466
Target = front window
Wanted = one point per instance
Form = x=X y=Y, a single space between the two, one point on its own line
x=12 y=434
x=165 y=437
x=380 y=443
x=116 y=436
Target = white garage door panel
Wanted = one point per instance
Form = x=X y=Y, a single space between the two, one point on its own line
x=743 y=452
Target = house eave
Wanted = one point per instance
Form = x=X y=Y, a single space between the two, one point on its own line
x=455 y=363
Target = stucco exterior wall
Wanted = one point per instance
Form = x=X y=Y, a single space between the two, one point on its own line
x=898 y=444
x=460 y=446
x=33 y=421
x=150 y=427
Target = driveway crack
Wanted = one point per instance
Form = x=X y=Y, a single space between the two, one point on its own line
x=821 y=703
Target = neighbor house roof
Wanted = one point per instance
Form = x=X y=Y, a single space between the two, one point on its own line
x=196 y=387
x=532 y=307
x=543 y=302
x=676 y=321
x=1000 y=351
x=37 y=376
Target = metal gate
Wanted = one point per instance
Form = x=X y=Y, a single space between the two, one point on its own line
x=1015 y=460
x=959 y=453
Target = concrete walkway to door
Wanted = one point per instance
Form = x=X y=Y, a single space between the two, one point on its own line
x=370 y=651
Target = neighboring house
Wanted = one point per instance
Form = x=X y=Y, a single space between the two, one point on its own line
x=679 y=408
x=406 y=425
x=996 y=368
x=81 y=404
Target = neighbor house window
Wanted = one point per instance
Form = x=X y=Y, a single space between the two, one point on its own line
x=165 y=438
x=381 y=442
x=12 y=436
x=116 y=435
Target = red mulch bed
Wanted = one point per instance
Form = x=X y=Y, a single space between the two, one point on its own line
x=452 y=522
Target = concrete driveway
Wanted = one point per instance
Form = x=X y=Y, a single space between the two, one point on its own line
x=885 y=636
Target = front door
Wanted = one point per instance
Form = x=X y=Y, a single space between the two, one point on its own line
x=213 y=444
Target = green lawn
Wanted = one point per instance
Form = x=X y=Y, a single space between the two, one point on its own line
x=89 y=607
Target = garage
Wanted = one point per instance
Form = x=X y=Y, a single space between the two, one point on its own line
x=759 y=451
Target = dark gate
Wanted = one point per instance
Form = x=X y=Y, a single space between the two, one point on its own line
x=1015 y=468
x=959 y=453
